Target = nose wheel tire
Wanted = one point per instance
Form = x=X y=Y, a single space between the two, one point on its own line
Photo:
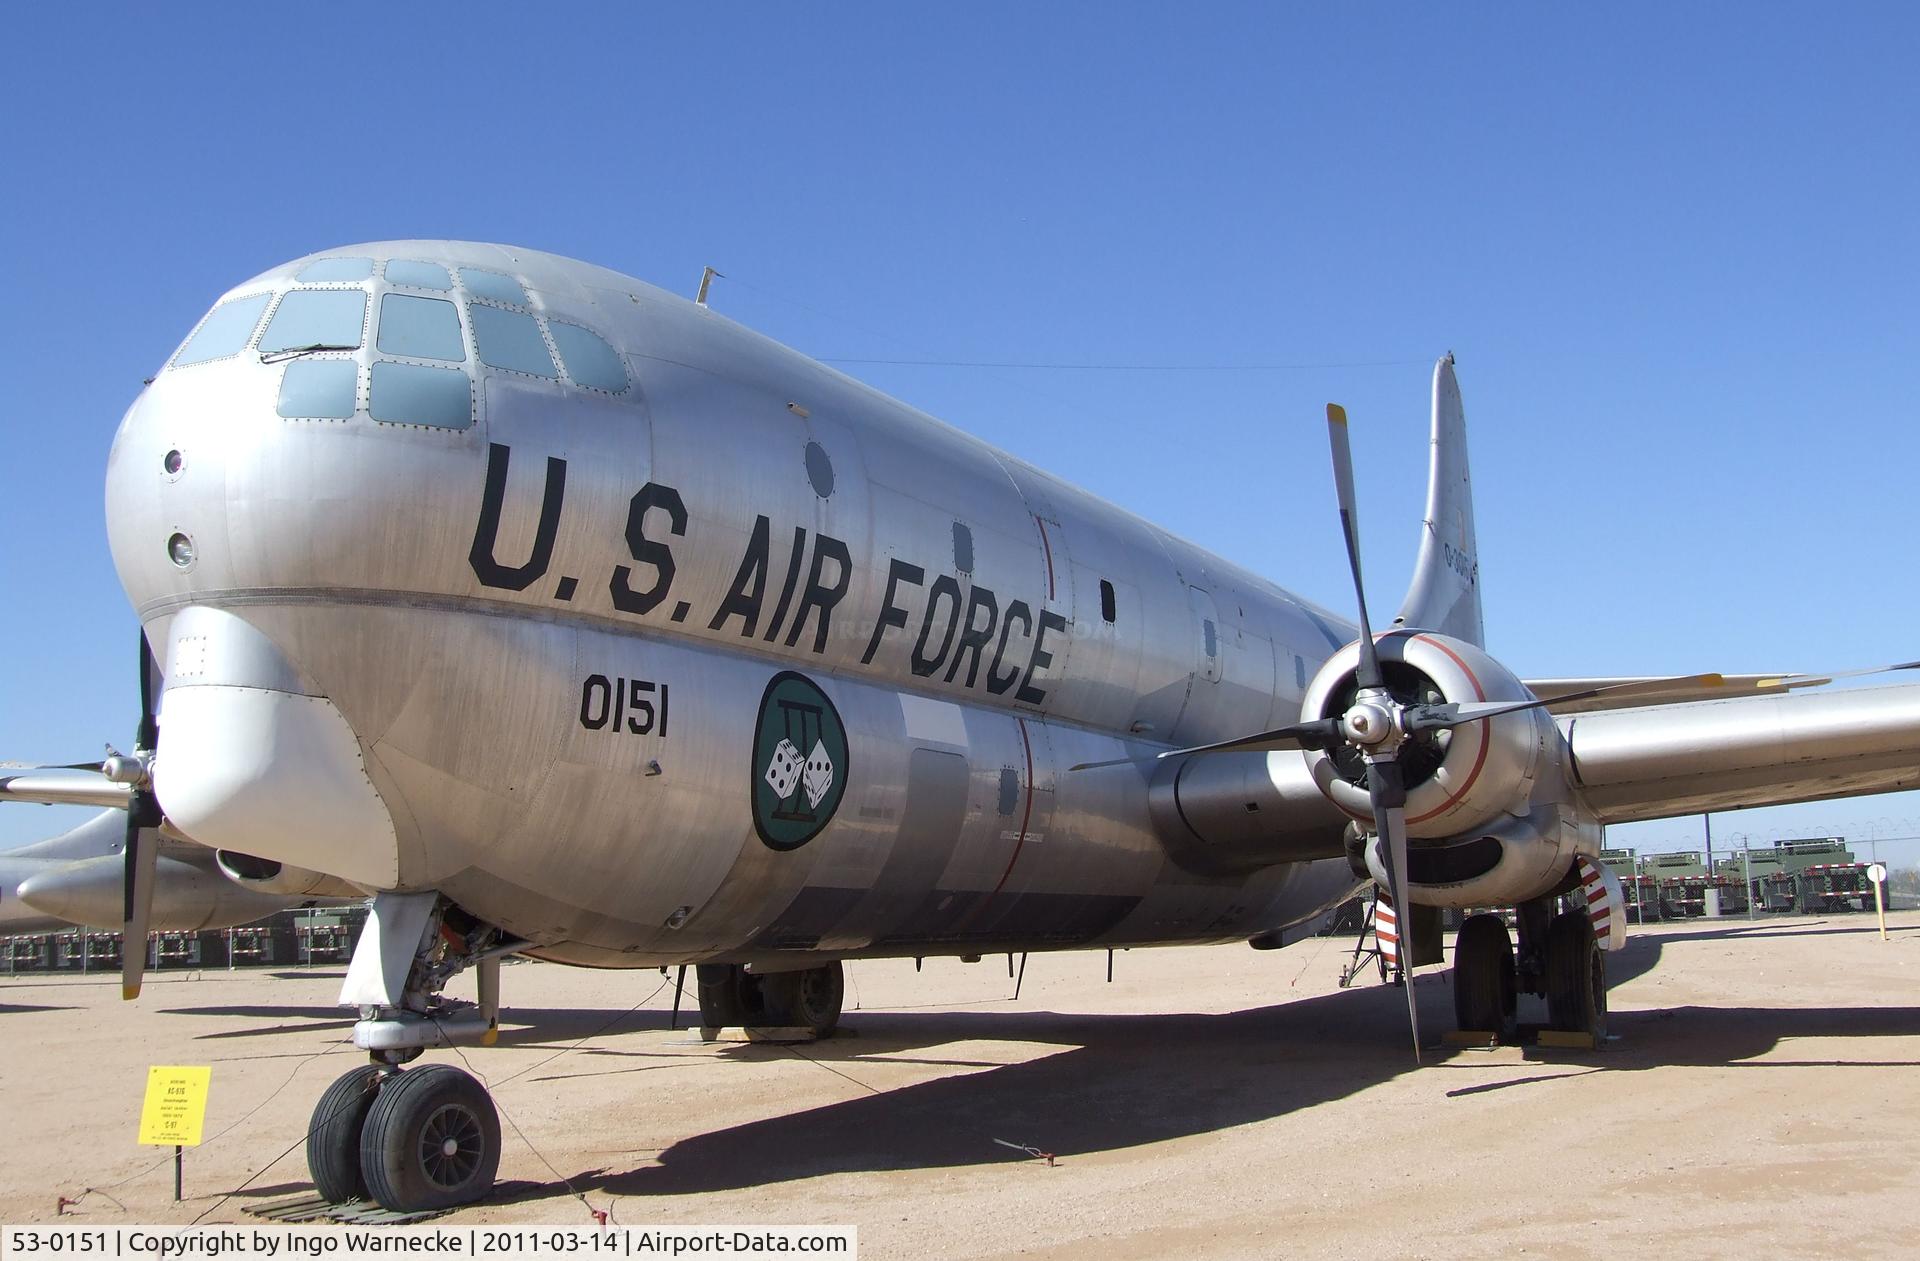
x=1485 y=997
x=1576 y=977
x=333 y=1137
x=431 y=1141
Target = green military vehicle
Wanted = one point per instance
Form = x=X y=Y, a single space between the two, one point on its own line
x=1810 y=875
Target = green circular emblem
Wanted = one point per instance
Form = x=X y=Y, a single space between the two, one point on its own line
x=799 y=762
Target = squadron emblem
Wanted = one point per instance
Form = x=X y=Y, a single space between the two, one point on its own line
x=799 y=762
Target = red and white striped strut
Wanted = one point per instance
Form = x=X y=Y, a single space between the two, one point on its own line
x=1386 y=928
x=1605 y=901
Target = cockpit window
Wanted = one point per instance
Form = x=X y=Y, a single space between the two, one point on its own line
x=590 y=361
x=494 y=287
x=225 y=330
x=319 y=389
x=420 y=328
x=329 y=319
x=510 y=340
x=330 y=270
x=414 y=394
x=405 y=271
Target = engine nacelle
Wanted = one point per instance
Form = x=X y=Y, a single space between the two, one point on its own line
x=1457 y=780
x=1508 y=862
x=265 y=875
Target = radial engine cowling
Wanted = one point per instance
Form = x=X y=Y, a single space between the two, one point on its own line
x=265 y=875
x=1457 y=780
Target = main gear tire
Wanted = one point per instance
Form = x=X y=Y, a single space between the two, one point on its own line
x=333 y=1137
x=1576 y=977
x=808 y=999
x=1485 y=992
x=431 y=1141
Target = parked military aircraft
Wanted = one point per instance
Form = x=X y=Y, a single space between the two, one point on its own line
x=75 y=879
x=571 y=619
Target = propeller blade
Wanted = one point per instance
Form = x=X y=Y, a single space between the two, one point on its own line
x=1388 y=791
x=1299 y=735
x=1368 y=675
x=143 y=838
x=141 y=850
x=1443 y=716
x=1815 y=680
x=147 y=738
x=63 y=789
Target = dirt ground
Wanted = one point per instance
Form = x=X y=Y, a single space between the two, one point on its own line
x=1759 y=1099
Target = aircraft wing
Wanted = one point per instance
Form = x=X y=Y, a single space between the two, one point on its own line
x=1731 y=685
x=1652 y=762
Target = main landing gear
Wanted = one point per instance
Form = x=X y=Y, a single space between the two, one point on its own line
x=806 y=1001
x=1558 y=958
x=416 y=1139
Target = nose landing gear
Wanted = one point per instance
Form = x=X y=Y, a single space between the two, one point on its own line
x=426 y=1138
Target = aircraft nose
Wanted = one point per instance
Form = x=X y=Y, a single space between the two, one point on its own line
x=85 y=892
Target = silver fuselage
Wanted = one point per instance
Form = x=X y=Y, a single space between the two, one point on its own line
x=557 y=720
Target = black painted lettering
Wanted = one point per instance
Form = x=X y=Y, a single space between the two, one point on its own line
x=596 y=688
x=793 y=579
x=648 y=551
x=639 y=706
x=945 y=585
x=486 y=532
x=820 y=595
x=891 y=614
x=1040 y=659
x=749 y=584
x=975 y=634
x=1016 y=612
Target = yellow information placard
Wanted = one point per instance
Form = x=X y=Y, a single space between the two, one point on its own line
x=176 y=1106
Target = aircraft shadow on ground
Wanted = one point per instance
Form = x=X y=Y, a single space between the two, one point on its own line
x=1116 y=1082
x=1127 y=1080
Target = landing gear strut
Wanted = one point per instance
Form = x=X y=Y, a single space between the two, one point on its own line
x=426 y=1138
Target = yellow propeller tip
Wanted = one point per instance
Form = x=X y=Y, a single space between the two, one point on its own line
x=1336 y=413
x=129 y=992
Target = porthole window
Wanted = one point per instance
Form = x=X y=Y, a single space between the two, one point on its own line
x=414 y=394
x=1107 y=609
x=225 y=331
x=316 y=319
x=319 y=389
x=420 y=328
x=416 y=275
x=510 y=340
x=590 y=361
x=335 y=270
x=494 y=287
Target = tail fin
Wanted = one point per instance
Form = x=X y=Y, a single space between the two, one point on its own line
x=1445 y=593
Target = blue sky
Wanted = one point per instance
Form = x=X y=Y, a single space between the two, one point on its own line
x=1674 y=248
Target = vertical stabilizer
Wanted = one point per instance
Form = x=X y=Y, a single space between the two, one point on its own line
x=1445 y=593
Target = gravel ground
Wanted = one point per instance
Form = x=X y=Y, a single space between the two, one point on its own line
x=1759 y=1098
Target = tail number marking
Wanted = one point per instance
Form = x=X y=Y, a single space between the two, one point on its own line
x=623 y=705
